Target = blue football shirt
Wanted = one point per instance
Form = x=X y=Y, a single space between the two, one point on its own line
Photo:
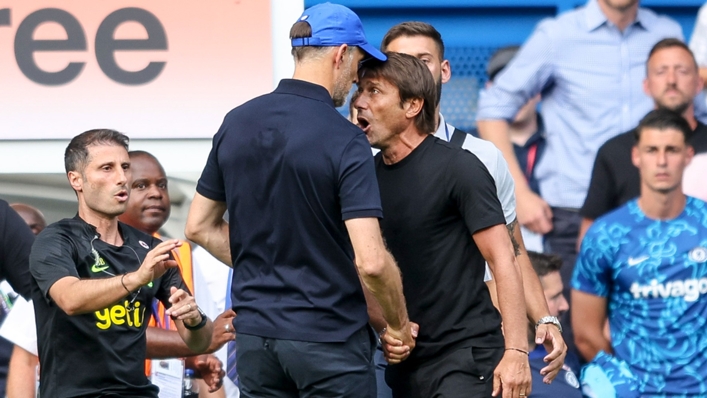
x=654 y=276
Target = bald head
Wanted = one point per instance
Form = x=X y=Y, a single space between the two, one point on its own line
x=32 y=216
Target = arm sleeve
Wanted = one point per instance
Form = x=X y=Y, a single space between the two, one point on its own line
x=474 y=191
x=173 y=277
x=592 y=272
x=526 y=75
x=211 y=183
x=601 y=196
x=505 y=187
x=16 y=244
x=52 y=258
x=698 y=41
x=19 y=327
x=358 y=187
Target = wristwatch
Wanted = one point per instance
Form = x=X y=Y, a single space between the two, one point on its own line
x=200 y=324
x=549 y=319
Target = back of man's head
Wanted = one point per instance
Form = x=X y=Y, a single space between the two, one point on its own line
x=544 y=264
x=412 y=79
x=412 y=29
x=499 y=60
x=31 y=215
x=76 y=154
x=328 y=25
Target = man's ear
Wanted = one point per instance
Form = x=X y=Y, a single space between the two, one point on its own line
x=446 y=71
x=413 y=107
x=634 y=156
x=339 y=56
x=75 y=180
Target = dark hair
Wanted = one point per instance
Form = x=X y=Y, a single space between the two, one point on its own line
x=662 y=119
x=76 y=154
x=544 y=264
x=413 y=28
x=413 y=80
x=670 y=43
x=353 y=99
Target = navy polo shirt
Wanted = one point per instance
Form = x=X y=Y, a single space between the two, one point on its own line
x=291 y=169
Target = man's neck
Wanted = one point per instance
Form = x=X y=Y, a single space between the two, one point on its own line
x=621 y=17
x=402 y=145
x=522 y=130
x=315 y=73
x=689 y=115
x=106 y=226
x=661 y=206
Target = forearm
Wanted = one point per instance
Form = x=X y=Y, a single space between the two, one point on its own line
x=589 y=344
x=534 y=294
x=511 y=304
x=497 y=131
x=375 y=312
x=22 y=374
x=197 y=340
x=206 y=227
x=215 y=240
x=79 y=296
x=163 y=343
x=387 y=289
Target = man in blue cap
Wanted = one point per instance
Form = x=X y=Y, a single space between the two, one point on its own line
x=303 y=203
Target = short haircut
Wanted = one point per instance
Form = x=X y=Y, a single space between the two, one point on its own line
x=670 y=43
x=544 y=264
x=302 y=29
x=76 y=154
x=662 y=119
x=411 y=29
x=138 y=153
x=413 y=80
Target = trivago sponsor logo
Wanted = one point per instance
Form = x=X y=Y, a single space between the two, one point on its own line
x=689 y=289
x=120 y=314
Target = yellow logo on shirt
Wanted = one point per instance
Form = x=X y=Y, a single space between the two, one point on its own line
x=120 y=315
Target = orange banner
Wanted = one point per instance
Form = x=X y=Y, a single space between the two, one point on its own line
x=150 y=68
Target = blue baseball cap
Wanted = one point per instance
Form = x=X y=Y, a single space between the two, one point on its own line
x=333 y=25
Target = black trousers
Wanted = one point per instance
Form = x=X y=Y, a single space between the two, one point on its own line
x=463 y=373
x=288 y=369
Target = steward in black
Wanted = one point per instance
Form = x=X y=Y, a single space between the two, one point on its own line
x=615 y=180
x=434 y=200
x=114 y=337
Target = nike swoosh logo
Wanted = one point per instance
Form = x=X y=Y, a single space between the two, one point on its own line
x=96 y=268
x=635 y=261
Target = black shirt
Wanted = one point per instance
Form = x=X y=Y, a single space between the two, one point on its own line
x=101 y=352
x=615 y=180
x=435 y=199
x=291 y=169
x=16 y=240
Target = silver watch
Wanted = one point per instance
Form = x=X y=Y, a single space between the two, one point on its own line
x=549 y=319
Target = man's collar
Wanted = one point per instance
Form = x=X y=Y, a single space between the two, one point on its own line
x=442 y=129
x=595 y=17
x=304 y=89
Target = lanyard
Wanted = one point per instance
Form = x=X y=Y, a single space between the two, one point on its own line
x=229 y=302
x=532 y=154
x=165 y=321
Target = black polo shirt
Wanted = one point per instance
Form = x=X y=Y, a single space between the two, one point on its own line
x=615 y=180
x=291 y=169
